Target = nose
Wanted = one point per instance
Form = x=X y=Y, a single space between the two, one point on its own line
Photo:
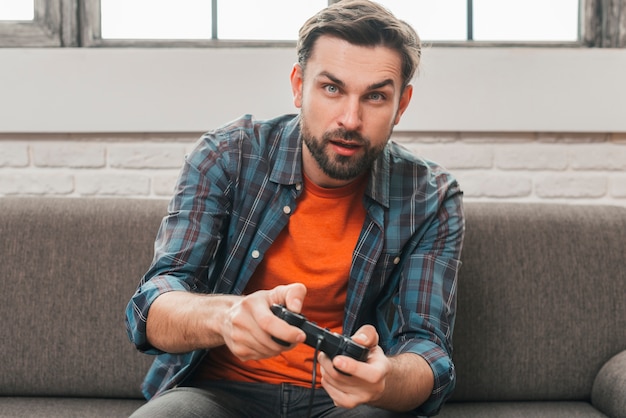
x=351 y=116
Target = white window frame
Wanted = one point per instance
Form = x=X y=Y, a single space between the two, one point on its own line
x=54 y=25
x=57 y=23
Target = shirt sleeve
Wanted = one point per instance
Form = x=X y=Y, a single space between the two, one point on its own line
x=188 y=236
x=426 y=301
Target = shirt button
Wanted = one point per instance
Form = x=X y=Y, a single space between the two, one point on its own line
x=287 y=210
x=298 y=186
x=256 y=254
x=396 y=260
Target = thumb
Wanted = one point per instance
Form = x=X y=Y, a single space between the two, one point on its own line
x=366 y=335
x=291 y=295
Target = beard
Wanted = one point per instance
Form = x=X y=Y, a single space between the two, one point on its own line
x=341 y=167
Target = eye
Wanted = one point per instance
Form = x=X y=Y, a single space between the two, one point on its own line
x=377 y=97
x=331 y=88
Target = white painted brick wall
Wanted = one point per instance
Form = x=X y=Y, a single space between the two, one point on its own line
x=13 y=154
x=65 y=154
x=617 y=186
x=544 y=167
x=142 y=156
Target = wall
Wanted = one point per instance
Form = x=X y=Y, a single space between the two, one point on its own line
x=572 y=168
x=520 y=124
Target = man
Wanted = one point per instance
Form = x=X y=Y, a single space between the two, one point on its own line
x=318 y=212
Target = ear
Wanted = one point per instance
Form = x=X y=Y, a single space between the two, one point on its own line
x=405 y=99
x=296 y=84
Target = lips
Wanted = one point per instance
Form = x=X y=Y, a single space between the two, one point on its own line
x=345 y=148
x=345 y=144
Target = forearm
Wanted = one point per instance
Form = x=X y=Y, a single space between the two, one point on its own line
x=408 y=385
x=180 y=322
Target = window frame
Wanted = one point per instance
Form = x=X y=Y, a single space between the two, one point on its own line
x=603 y=23
x=76 y=23
x=54 y=25
x=91 y=34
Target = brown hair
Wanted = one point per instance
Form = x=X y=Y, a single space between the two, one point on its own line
x=363 y=23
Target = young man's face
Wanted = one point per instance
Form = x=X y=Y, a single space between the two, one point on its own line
x=350 y=99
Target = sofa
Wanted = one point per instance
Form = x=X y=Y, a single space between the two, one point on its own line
x=540 y=331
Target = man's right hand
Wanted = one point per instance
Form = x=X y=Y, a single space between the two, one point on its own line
x=249 y=325
x=180 y=322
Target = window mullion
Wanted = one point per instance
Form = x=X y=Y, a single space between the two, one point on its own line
x=43 y=31
x=470 y=20
x=214 y=20
x=604 y=23
x=69 y=23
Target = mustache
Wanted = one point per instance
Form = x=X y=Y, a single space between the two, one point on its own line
x=351 y=136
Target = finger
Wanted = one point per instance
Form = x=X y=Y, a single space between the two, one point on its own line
x=343 y=395
x=259 y=344
x=281 y=330
x=251 y=326
x=291 y=295
x=294 y=299
x=346 y=365
x=247 y=340
x=366 y=336
x=370 y=371
x=334 y=370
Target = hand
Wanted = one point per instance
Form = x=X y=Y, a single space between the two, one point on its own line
x=358 y=382
x=249 y=325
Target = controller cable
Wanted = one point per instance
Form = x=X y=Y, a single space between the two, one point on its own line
x=318 y=345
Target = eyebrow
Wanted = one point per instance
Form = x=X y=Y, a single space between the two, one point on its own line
x=340 y=83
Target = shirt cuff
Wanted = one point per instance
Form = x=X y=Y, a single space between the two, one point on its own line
x=443 y=370
x=139 y=305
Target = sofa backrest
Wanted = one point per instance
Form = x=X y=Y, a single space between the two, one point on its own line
x=69 y=266
x=541 y=297
x=541 y=300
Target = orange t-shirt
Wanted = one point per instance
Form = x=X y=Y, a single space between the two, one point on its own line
x=316 y=249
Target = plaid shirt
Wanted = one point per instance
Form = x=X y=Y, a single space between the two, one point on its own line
x=233 y=198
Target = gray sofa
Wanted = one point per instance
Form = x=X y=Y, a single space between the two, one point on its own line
x=541 y=326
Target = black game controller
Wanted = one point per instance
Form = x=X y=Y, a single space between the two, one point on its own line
x=329 y=342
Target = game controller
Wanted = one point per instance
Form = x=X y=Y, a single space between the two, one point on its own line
x=328 y=342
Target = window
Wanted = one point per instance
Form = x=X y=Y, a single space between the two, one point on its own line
x=436 y=20
x=202 y=19
x=30 y=23
x=491 y=20
x=17 y=10
x=526 y=20
x=593 y=23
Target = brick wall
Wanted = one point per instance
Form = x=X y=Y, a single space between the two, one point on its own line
x=571 y=168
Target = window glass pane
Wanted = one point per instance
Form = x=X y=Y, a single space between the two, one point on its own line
x=156 y=19
x=434 y=20
x=271 y=20
x=17 y=9
x=526 y=20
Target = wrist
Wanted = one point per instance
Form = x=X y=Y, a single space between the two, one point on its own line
x=212 y=311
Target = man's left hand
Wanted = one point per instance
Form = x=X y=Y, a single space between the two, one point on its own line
x=350 y=382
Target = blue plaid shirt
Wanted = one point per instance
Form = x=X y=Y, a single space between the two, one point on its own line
x=233 y=198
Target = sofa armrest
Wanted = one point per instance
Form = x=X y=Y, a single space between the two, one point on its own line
x=609 y=388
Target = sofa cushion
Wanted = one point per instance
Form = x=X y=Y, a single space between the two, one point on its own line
x=69 y=266
x=609 y=388
x=11 y=407
x=520 y=410
x=540 y=300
